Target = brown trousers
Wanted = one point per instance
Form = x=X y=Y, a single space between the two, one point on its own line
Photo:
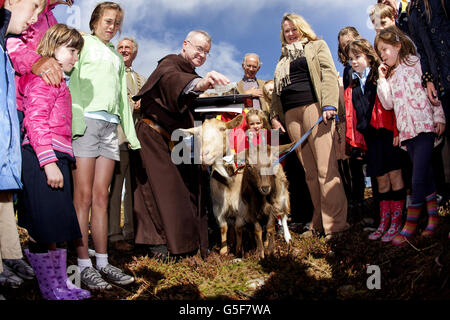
x=9 y=237
x=318 y=157
x=121 y=173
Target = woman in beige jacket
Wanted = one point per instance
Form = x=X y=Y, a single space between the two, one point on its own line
x=306 y=87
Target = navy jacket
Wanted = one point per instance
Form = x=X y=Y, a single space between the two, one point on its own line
x=402 y=20
x=432 y=38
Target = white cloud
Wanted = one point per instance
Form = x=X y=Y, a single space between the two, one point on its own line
x=224 y=59
x=151 y=22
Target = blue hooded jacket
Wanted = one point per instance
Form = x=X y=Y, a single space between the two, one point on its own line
x=10 y=154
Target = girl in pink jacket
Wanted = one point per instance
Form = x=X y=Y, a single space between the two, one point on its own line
x=419 y=122
x=25 y=59
x=49 y=214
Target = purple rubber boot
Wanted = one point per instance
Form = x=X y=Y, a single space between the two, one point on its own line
x=59 y=257
x=43 y=267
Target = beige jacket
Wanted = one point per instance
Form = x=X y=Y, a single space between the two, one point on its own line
x=140 y=81
x=324 y=77
x=264 y=105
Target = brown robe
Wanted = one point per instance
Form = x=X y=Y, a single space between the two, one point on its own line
x=167 y=199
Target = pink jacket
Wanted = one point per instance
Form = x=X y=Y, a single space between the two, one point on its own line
x=404 y=93
x=48 y=118
x=22 y=50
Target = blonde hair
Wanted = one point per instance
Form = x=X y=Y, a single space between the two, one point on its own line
x=300 y=24
x=381 y=11
x=100 y=9
x=343 y=58
x=394 y=36
x=261 y=115
x=265 y=91
x=59 y=35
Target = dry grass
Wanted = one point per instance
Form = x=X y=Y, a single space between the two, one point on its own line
x=310 y=269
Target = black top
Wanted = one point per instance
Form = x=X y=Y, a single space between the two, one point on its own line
x=347 y=75
x=363 y=102
x=5 y=16
x=300 y=92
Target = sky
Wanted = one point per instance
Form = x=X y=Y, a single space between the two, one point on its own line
x=237 y=27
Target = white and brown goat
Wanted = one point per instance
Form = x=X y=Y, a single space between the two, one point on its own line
x=229 y=199
x=265 y=191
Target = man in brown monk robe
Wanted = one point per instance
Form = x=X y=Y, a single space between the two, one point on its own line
x=168 y=209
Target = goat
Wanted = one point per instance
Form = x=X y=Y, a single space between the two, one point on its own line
x=226 y=181
x=265 y=191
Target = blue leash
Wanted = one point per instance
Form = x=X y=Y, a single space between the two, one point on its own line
x=305 y=136
x=299 y=142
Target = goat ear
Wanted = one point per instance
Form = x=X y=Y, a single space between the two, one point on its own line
x=235 y=122
x=190 y=131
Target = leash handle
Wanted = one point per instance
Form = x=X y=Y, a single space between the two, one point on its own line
x=328 y=108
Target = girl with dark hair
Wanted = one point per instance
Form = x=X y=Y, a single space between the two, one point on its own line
x=419 y=122
x=374 y=130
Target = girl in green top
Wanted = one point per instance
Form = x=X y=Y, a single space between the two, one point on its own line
x=99 y=103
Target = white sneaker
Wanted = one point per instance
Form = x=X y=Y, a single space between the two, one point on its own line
x=93 y=280
x=115 y=275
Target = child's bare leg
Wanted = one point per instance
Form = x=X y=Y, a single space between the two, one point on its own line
x=396 y=180
x=83 y=178
x=384 y=183
x=104 y=169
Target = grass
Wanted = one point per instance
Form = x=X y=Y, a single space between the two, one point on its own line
x=310 y=269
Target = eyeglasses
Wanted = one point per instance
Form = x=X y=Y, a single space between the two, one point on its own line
x=199 y=49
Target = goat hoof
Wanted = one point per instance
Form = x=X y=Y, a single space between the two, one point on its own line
x=223 y=251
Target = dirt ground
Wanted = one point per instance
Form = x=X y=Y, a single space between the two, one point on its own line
x=309 y=269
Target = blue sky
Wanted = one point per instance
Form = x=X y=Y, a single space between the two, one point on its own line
x=236 y=26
